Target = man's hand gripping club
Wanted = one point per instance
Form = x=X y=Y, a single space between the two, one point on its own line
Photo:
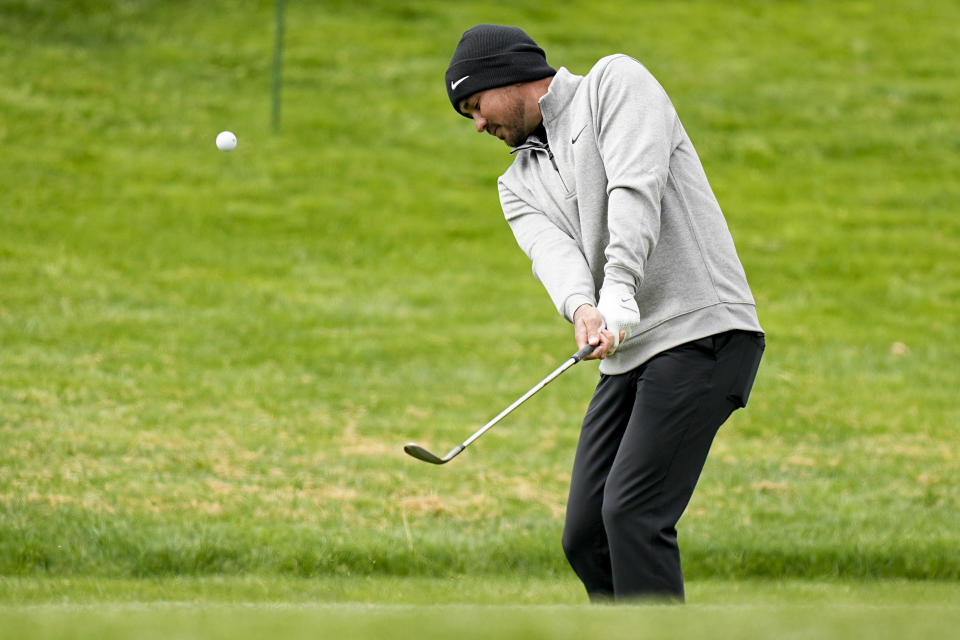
x=611 y=322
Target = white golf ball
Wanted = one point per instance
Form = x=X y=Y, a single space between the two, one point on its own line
x=226 y=141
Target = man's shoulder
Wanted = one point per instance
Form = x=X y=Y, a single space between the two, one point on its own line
x=621 y=74
x=616 y=63
x=613 y=58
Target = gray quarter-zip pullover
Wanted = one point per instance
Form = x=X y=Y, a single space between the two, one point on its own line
x=616 y=194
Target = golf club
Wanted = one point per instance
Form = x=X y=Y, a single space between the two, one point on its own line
x=418 y=452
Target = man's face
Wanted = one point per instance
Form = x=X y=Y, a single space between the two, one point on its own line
x=502 y=112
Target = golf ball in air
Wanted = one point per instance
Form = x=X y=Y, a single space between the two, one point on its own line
x=226 y=141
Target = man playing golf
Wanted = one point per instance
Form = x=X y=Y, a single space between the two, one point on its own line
x=607 y=197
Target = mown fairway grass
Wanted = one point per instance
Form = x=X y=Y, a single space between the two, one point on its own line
x=209 y=362
x=512 y=607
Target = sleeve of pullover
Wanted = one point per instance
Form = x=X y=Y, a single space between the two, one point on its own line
x=636 y=125
x=557 y=260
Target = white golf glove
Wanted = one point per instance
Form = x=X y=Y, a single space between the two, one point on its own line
x=620 y=312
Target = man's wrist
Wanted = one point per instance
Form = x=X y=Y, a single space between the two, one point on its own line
x=614 y=291
x=580 y=308
x=574 y=302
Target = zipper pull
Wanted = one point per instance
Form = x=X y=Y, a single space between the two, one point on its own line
x=552 y=161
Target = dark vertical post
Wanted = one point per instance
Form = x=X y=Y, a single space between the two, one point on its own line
x=278 y=66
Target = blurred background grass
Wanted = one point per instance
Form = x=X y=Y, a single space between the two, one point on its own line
x=210 y=361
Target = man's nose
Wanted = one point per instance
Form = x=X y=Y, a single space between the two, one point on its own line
x=480 y=123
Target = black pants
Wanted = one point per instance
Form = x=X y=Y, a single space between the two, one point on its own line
x=643 y=444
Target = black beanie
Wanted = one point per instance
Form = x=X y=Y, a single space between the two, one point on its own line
x=490 y=56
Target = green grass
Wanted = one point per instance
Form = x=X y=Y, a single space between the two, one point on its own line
x=390 y=607
x=209 y=362
x=397 y=608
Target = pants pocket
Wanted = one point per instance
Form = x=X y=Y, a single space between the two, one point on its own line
x=750 y=350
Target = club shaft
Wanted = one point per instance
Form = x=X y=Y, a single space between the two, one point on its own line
x=500 y=416
x=420 y=453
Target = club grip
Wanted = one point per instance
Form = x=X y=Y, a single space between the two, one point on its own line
x=584 y=352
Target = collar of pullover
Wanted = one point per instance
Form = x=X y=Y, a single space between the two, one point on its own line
x=559 y=95
x=552 y=104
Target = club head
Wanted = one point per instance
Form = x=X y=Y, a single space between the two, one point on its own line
x=418 y=452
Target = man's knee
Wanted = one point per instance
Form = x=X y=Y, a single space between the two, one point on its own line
x=579 y=540
x=636 y=519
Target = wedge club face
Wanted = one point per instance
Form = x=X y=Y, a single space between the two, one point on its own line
x=418 y=452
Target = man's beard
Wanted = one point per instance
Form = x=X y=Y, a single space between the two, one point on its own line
x=514 y=130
